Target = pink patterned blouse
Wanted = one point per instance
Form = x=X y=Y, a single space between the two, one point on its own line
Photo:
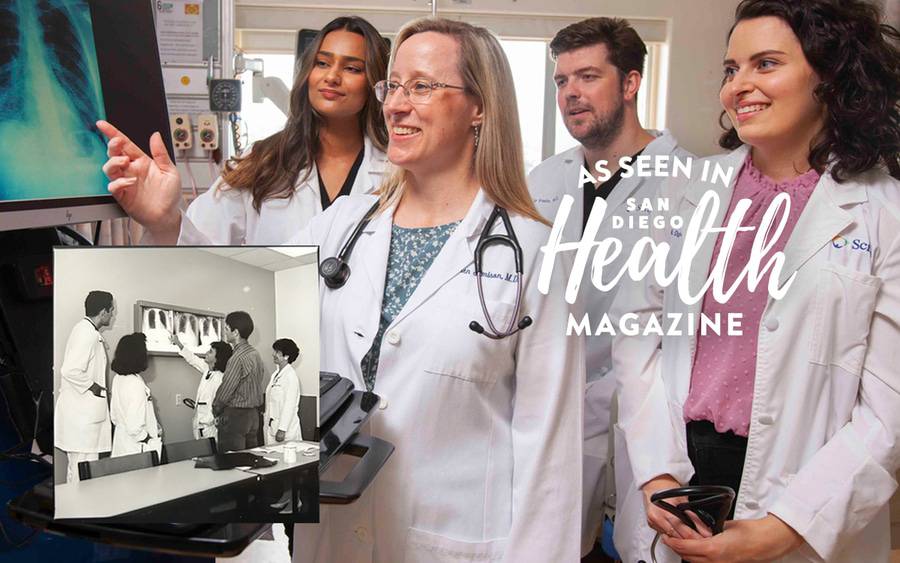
x=725 y=366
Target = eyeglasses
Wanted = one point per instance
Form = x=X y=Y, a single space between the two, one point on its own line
x=417 y=90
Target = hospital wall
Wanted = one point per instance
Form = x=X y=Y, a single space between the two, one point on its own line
x=694 y=30
x=297 y=296
x=186 y=277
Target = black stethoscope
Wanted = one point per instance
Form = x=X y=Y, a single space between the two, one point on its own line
x=335 y=271
x=711 y=504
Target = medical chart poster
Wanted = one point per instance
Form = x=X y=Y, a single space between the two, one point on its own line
x=179 y=29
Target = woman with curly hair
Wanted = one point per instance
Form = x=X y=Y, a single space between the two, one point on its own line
x=799 y=414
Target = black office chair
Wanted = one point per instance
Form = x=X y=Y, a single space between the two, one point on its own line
x=187 y=450
x=119 y=464
x=309 y=422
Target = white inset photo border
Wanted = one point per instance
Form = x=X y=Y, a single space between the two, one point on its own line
x=179 y=299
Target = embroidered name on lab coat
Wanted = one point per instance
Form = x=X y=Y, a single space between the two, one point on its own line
x=509 y=277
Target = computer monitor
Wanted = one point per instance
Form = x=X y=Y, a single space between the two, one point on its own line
x=64 y=64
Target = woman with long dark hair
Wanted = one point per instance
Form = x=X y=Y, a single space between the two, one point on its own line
x=332 y=144
x=800 y=414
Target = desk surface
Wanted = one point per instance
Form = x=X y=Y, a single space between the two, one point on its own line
x=111 y=495
x=281 y=465
x=121 y=493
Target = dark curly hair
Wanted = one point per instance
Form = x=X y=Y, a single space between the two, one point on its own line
x=857 y=59
x=288 y=349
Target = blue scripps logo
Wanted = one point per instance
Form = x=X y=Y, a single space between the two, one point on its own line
x=855 y=244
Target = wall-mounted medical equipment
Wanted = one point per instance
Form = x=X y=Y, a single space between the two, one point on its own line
x=182 y=134
x=225 y=95
x=208 y=131
x=195 y=45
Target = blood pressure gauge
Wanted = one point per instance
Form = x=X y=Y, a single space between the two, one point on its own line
x=225 y=95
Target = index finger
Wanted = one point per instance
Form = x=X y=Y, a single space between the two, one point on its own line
x=129 y=148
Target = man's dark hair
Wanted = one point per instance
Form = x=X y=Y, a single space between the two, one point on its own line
x=241 y=322
x=223 y=354
x=97 y=301
x=288 y=348
x=131 y=354
x=626 y=49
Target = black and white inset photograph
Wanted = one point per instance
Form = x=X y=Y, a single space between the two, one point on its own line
x=186 y=384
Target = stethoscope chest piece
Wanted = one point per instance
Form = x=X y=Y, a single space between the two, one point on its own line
x=335 y=272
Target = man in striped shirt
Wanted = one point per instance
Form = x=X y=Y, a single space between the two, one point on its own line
x=241 y=393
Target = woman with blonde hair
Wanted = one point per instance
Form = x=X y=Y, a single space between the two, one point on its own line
x=331 y=145
x=430 y=300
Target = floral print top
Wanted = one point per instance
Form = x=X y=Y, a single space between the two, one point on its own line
x=411 y=253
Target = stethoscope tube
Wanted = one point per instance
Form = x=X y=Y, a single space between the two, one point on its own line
x=485 y=241
x=711 y=504
x=335 y=271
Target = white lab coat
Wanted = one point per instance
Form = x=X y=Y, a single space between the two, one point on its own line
x=557 y=176
x=226 y=216
x=282 y=405
x=488 y=433
x=132 y=413
x=204 y=422
x=81 y=420
x=823 y=447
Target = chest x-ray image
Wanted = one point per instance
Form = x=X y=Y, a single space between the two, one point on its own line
x=157 y=325
x=186 y=329
x=50 y=98
x=210 y=331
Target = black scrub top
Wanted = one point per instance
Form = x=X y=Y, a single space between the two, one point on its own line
x=348 y=182
x=592 y=192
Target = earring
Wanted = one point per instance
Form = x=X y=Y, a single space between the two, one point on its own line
x=477 y=133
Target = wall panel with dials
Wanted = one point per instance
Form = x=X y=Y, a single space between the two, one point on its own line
x=195 y=39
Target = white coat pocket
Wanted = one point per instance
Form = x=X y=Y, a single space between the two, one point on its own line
x=842 y=314
x=424 y=547
x=464 y=354
x=95 y=408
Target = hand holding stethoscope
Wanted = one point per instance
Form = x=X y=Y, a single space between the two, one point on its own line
x=709 y=503
x=335 y=271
